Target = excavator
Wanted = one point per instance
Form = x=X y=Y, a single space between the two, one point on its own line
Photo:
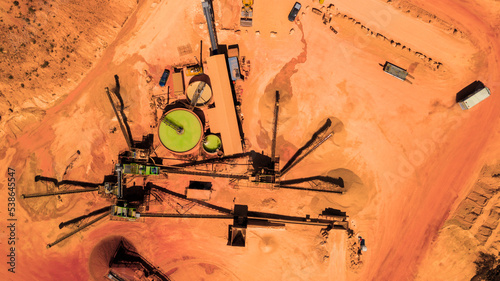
x=246 y=13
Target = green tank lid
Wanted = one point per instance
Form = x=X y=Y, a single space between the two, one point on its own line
x=211 y=143
x=180 y=130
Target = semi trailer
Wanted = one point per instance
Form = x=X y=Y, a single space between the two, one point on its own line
x=475 y=97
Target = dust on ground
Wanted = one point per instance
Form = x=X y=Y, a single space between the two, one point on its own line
x=411 y=157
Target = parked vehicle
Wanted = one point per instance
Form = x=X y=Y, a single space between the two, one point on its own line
x=234 y=67
x=475 y=97
x=294 y=12
x=164 y=77
x=246 y=13
x=395 y=71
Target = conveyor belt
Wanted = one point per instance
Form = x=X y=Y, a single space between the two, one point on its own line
x=208 y=11
x=310 y=189
x=91 y=214
x=212 y=160
x=66 y=236
x=292 y=219
x=184 y=197
x=188 y=216
x=275 y=124
x=170 y=170
x=284 y=171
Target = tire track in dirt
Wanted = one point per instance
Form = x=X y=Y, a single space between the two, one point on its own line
x=282 y=83
x=40 y=134
x=410 y=229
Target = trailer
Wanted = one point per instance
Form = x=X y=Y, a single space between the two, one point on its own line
x=474 y=98
x=395 y=71
x=178 y=80
x=234 y=66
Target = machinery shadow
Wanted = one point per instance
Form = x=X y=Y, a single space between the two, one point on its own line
x=70 y=182
x=201 y=77
x=336 y=181
x=468 y=90
x=313 y=139
x=80 y=218
x=116 y=91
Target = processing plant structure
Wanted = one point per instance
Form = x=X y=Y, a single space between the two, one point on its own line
x=201 y=128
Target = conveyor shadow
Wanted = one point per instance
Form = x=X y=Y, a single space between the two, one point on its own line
x=70 y=182
x=80 y=218
x=116 y=91
x=336 y=181
x=315 y=137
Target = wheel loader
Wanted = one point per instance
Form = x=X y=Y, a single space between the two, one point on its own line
x=246 y=13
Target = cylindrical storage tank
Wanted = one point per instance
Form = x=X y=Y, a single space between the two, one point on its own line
x=200 y=90
x=212 y=144
x=180 y=130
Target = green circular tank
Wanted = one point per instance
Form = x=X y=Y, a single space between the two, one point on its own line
x=180 y=130
x=211 y=143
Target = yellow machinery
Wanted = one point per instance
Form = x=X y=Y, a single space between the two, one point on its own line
x=193 y=70
x=246 y=13
x=197 y=68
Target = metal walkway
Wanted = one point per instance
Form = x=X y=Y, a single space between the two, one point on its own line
x=170 y=170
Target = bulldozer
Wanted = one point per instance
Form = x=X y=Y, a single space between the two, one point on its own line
x=246 y=13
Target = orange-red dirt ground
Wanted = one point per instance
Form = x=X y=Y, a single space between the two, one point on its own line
x=421 y=174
